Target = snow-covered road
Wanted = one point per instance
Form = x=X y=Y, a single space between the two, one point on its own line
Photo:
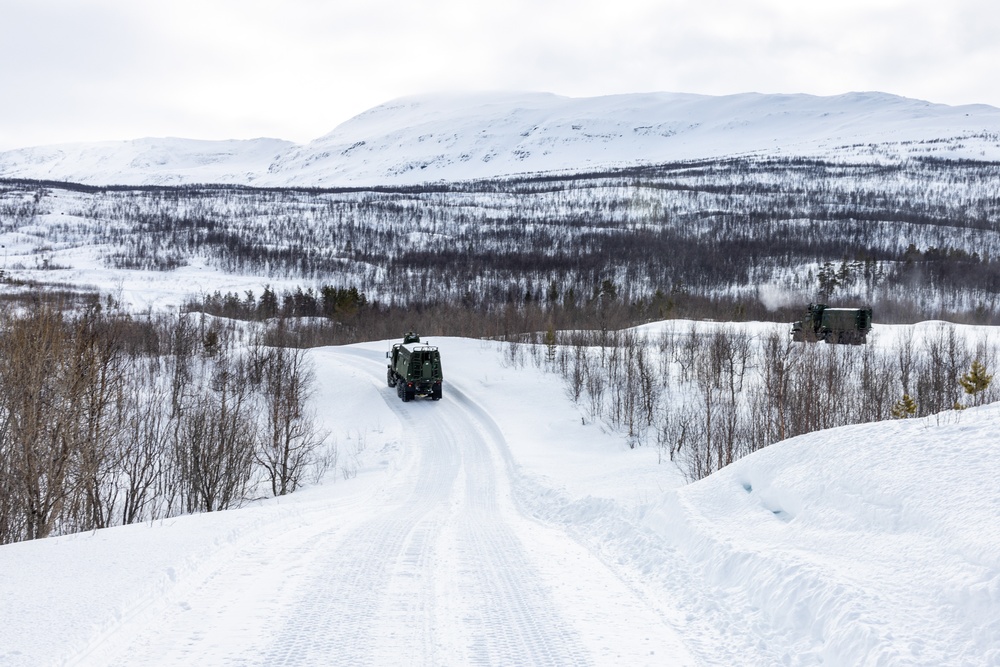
x=440 y=566
x=500 y=526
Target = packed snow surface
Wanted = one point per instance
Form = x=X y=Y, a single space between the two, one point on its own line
x=455 y=137
x=498 y=527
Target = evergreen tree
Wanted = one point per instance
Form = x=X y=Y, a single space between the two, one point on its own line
x=904 y=407
x=827 y=281
x=268 y=305
x=550 y=343
x=976 y=381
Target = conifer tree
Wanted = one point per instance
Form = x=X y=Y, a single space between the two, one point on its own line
x=904 y=407
x=550 y=343
x=976 y=381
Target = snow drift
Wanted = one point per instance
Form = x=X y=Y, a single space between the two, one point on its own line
x=874 y=544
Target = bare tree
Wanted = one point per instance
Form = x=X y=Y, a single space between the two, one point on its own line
x=218 y=439
x=33 y=355
x=144 y=462
x=777 y=364
x=290 y=438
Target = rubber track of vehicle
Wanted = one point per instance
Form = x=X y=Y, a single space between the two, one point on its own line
x=378 y=597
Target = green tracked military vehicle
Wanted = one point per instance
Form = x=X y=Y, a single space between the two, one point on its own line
x=834 y=325
x=414 y=369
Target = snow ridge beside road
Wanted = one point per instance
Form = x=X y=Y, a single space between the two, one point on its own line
x=871 y=544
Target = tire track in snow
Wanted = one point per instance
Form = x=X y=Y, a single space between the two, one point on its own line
x=446 y=570
x=498 y=604
x=504 y=614
x=228 y=601
x=515 y=621
x=620 y=624
x=373 y=592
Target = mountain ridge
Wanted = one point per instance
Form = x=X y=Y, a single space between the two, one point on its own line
x=461 y=136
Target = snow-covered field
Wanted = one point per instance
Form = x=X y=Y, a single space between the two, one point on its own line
x=496 y=527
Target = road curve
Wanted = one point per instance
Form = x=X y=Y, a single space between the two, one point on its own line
x=440 y=568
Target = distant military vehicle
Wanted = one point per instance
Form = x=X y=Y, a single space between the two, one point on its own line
x=414 y=369
x=834 y=325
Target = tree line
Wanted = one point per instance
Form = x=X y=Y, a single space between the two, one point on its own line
x=920 y=240
x=708 y=394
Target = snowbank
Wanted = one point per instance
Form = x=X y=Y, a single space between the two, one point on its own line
x=873 y=544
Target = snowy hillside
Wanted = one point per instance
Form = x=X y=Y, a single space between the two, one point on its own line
x=494 y=527
x=481 y=136
x=166 y=161
x=462 y=136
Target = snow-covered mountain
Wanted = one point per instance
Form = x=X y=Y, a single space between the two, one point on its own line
x=462 y=136
x=480 y=136
x=168 y=161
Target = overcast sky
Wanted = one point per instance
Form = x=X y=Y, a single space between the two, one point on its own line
x=82 y=70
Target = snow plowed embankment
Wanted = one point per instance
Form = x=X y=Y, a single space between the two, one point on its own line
x=876 y=544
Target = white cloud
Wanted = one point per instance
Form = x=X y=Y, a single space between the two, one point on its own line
x=112 y=69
